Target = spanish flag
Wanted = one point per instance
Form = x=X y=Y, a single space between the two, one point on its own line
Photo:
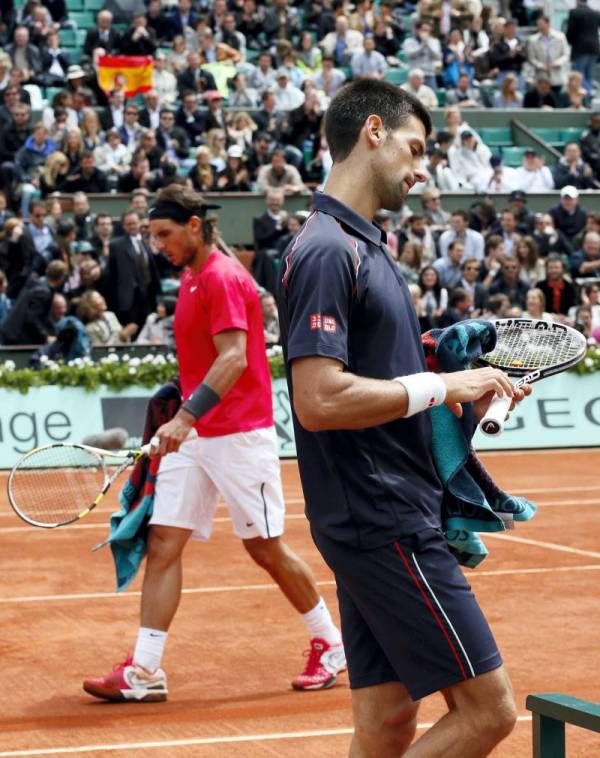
x=130 y=73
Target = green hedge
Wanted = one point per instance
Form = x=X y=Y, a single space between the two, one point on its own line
x=152 y=370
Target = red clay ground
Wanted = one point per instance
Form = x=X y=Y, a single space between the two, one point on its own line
x=235 y=644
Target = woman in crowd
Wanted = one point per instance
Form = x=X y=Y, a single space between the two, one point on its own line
x=240 y=130
x=113 y=157
x=202 y=175
x=64 y=101
x=410 y=261
x=215 y=141
x=509 y=96
x=102 y=325
x=177 y=59
x=309 y=57
x=73 y=148
x=434 y=297
x=158 y=329
x=575 y=95
x=535 y=305
x=54 y=173
x=234 y=177
x=533 y=269
x=91 y=131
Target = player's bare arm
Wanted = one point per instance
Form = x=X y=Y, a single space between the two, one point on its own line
x=328 y=397
x=222 y=375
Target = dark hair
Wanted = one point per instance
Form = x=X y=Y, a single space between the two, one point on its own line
x=169 y=303
x=191 y=201
x=463 y=214
x=457 y=295
x=437 y=287
x=356 y=101
x=493 y=241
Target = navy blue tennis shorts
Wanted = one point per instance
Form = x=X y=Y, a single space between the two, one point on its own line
x=408 y=614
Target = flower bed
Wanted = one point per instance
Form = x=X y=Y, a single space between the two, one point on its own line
x=119 y=372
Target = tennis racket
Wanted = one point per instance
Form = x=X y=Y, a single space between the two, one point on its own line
x=55 y=485
x=532 y=350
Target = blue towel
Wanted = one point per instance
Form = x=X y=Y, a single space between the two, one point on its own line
x=472 y=503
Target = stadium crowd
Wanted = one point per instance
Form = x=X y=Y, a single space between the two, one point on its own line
x=238 y=93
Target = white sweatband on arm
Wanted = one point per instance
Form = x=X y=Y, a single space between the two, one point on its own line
x=424 y=391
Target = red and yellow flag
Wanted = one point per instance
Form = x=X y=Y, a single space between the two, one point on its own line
x=130 y=73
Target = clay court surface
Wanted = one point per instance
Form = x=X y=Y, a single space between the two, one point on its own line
x=235 y=644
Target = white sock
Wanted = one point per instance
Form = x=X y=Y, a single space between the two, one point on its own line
x=149 y=648
x=320 y=624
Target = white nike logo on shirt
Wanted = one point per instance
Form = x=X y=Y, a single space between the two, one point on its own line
x=193 y=289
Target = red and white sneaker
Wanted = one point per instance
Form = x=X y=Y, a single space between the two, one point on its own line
x=129 y=682
x=324 y=663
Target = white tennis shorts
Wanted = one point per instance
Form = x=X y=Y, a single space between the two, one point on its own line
x=243 y=468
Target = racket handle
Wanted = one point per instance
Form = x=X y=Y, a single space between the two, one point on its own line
x=492 y=423
x=153 y=444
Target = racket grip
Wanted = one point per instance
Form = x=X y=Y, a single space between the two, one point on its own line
x=492 y=423
x=153 y=444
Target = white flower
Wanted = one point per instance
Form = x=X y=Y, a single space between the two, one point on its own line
x=43 y=359
x=135 y=362
x=148 y=358
x=588 y=363
x=112 y=358
x=10 y=365
x=133 y=370
x=124 y=358
x=171 y=358
x=159 y=360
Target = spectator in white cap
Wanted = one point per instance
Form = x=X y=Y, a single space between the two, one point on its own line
x=416 y=87
x=569 y=217
x=287 y=97
x=235 y=176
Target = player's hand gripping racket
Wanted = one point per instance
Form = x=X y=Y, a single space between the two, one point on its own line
x=55 y=485
x=532 y=350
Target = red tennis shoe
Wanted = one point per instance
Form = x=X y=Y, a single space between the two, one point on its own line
x=324 y=663
x=129 y=682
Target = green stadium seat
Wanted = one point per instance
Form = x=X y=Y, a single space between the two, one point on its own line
x=68 y=37
x=50 y=92
x=75 y=54
x=81 y=35
x=498 y=136
x=441 y=96
x=550 y=136
x=513 y=156
x=396 y=75
x=572 y=134
x=85 y=19
x=75 y=5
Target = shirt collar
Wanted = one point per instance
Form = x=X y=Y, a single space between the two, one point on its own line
x=350 y=218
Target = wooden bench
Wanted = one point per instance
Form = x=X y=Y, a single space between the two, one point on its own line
x=551 y=711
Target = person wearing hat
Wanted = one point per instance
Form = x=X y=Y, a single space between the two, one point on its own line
x=215 y=118
x=287 y=97
x=220 y=440
x=568 y=216
x=517 y=202
x=234 y=177
x=532 y=175
x=469 y=162
x=76 y=85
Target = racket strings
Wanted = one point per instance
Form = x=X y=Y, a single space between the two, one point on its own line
x=53 y=485
x=531 y=349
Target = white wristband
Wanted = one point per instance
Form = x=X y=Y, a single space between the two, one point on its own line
x=424 y=391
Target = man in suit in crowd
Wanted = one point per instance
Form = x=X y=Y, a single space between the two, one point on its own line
x=29 y=322
x=103 y=36
x=138 y=39
x=194 y=78
x=268 y=230
x=583 y=25
x=133 y=282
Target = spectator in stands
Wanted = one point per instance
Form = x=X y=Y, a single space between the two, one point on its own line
x=149 y=146
x=424 y=51
x=568 y=216
x=101 y=238
x=460 y=307
x=5 y=67
x=215 y=118
x=178 y=55
x=103 y=36
x=532 y=175
x=498 y=306
x=138 y=39
x=240 y=131
x=456 y=58
x=182 y=18
x=506 y=227
x=416 y=87
x=472 y=240
x=25 y=56
x=76 y=85
x=470 y=162
x=190 y=119
x=368 y=63
x=270 y=319
x=102 y=325
x=437 y=218
x=194 y=78
x=171 y=140
x=149 y=115
x=163 y=81
x=417 y=232
x=509 y=96
x=227 y=34
x=309 y=57
x=29 y=322
x=548 y=53
x=268 y=229
x=329 y=79
x=287 y=97
x=591 y=298
x=583 y=26
x=133 y=282
x=586 y=262
x=202 y=175
x=410 y=262
x=91 y=131
x=30 y=159
x=559 y=292
x=572 y=170
x=131 y=129
x=507 y=281
x=448 y=268
x=5 y=302
x=158 y=329
x=542 y=97
x=548 y=238
x=83 y=217
x=575 y=95
x=138 y=175
x=234 y=177
x=87 y=178
x=41 y=235
x=281 y=21
x=216 y=141
x=441 y=176
x=280 y=174
x=464 y=95
x=159 y=23
x=471 y=271
x=55 y=62
x=590 y=144
x=342 y=43
x=507 y=53
x=434 y=297
x=262 y=77
x=113 y=158
x=240 y=94
x=500 y=180
x=535 y=305
x=210 y=52
x=112 y=116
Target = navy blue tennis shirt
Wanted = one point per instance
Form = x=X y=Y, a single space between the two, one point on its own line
x=342 y=296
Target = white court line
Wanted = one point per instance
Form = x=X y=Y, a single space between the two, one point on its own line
x=238 y=738
x=539 y=543
x=261 y=587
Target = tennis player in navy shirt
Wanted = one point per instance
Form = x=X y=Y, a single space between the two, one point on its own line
x=360 y=393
